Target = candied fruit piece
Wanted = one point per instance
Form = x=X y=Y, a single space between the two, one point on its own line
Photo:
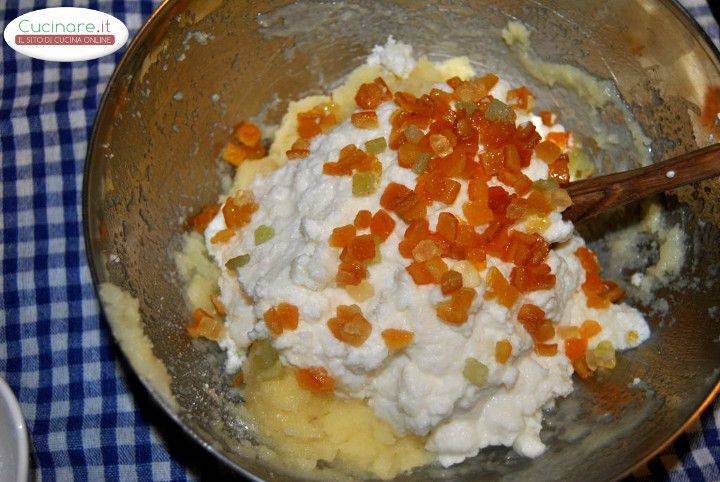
x=590 y=328
x=297 y=153
x=547 y=151
x=477 y=213
x=222 y=236
x=532 y=278
x=575 y=348
x=315 y=379
x=559 y=171
x=516 y=180
x=547 y=117
x=588 y=260
x=316 y=120
x=602 y=356
x=413 y=133
x=205 y=326
x=350 y=273
x=234 y=154
x=425 y=250
x=470 y=275
x=381 y=225
x=200 y=221
x=544 y=349
x=447 y=226
x=362 y=219
x=408 y=154
x=247 y=133
x=475 y=372
x=263 y=233
x=632 y=337
x=421 y=163
x=376 y=146
x=450 y=282
x=500 y=112
x=499 y=288
x=364 y=183
x=392 y=196
x=396 y=339
x=369 y=96
x=281 y=317
x=238 y=379
x=503 y=350
x=520 y=98
x=362 y=247
x=559 y=138
x=566 y=332
x=437 y=268
x=342 y=236
x=360 y=292
x=237 y=212
x=440 y=145
x=366 y=119
x=350 y=326
x=237 y=262
x=420 y=273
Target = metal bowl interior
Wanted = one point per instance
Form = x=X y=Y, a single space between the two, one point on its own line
x=200 y=66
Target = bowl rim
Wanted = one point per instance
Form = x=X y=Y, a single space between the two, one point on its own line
x=165 y=9
x=19 y=432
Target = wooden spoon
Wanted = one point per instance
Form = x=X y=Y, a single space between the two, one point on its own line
x=595 y=195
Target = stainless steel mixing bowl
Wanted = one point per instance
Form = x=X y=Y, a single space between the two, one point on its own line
x=199 y=66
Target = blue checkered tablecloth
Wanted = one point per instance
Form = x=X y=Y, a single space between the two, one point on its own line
x=88 y=417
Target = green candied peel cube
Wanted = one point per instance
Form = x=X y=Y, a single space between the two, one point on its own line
x=475 y=372
x=364 y=183
x=421 y=163
x=468 y=107
x=602 y=356
x=499 y=112
x=265 y=361
x=263 y=233
x=237 y=262
x=413 y=133
x=376 y=146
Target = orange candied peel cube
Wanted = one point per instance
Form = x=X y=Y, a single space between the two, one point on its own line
x=500 y=289
x=222 y=236
x=590 y=328
x=396 y=339
x=282 y=317
x=315 y=379
x=238 y=210
x=206 y=326
x=341 y=237
x=447 y=226
x=420 y=273
x=201 y=220
x=382 y=225
x=455 y=310
x=247 y=133
x=437 y=268
x=547 y=117
x=349 y=325
x=547 y=151
x=350 y=273
x=365 y=119
x=477 y=213
x=503 y=350
x=520 y=98
x=316 y=120
x=450 y=282
x=559 y=138
x=546 y=349
x=575 y=348
x=362 y=248
x=371 y=94
x=362 y=219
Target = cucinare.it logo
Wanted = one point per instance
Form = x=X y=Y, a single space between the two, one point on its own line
x=66 y=34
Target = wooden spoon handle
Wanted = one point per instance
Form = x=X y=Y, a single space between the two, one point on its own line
x=595 y=195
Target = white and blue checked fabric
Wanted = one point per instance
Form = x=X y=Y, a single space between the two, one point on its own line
x=88 y=417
